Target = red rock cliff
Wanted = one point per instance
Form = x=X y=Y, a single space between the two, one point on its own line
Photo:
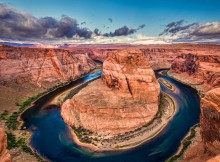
x=210 y=121
x=4 y=154
x=41 y=67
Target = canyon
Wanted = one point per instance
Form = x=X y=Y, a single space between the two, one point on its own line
x=30 y=67
x=26 y=71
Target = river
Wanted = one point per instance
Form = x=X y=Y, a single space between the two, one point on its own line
x=52 y=140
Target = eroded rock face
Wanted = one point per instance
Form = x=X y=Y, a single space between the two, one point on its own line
x=202 y=71
x=126 y=98
x=4 y=154
x=210 y=121
x=129 y=72
x=185 y=63
x=41 y=67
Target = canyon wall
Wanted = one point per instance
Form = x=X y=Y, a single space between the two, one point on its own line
x=210 y=121
x=200 y=71
x=4 y=154
x=41 y=67
x=125 y=99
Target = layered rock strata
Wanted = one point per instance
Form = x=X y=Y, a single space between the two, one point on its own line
x=4 y=154
x=126 y=98
x=41 y=67
x=210 y=121
x=206 y=144
x=203 y=72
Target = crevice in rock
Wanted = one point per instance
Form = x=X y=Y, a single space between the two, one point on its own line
x=129 y=87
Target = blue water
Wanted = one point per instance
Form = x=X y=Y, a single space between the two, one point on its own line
x=51 y=137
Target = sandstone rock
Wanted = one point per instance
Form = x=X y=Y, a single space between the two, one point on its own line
x=214 y=159
x=210 y=121
x=4 y=154
x=125 y=99
x=41 y=67
x=185 y=63
x=130 y=73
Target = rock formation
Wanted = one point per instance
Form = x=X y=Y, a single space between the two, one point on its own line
x=41 y=67
x=201 y=71
x=210 y=121
x=185 y=63
x=4 y=154
x=125 y=99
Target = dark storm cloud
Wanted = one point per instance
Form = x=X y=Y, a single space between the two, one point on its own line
x=110 y=20
x=18 y=25
x=48 y=22
x=175 y=27
x=123 y=31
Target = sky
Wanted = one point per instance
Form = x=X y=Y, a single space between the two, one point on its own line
x=110 y=21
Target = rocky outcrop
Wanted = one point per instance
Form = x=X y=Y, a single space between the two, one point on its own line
x=185 y=63
x=200 y=71
x=41 y=67
x=4 y=154
x=214 y=159
x=130 y=73
x=125 y=99
x=210 y=121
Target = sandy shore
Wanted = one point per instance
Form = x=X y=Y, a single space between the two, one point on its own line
x=135 y=138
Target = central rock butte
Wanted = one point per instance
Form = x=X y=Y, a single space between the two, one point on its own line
x=123 y=100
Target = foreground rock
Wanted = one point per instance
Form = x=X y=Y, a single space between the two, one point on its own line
x=210 y=121
x=206 y=144
x=124 y=100
x=4 y=154
x=41 y=67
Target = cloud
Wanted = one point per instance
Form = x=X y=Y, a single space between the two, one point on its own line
x=141 y=26
x=123 y=31
x=207 y=30
x=194 y=32
x=19 y=25
x=97 y=32
x=110 y=20
x=175 y=27
x=83 y=23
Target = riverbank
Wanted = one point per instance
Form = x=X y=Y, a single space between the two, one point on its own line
x=183 y=79
x=191 y=137
x=130 y=139
x=186 y=143
x=10 y=118
x=167 y=84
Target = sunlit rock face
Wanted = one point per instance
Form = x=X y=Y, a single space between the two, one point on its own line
x=129 y=72
x=4 y=154
x=41 y=67
x=210 y=121
x=200 y=70
x=126 y=98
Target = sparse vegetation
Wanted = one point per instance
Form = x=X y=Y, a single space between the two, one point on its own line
x=186 y=143
x=4 y=115
x=83 y=134
x=21 y=142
